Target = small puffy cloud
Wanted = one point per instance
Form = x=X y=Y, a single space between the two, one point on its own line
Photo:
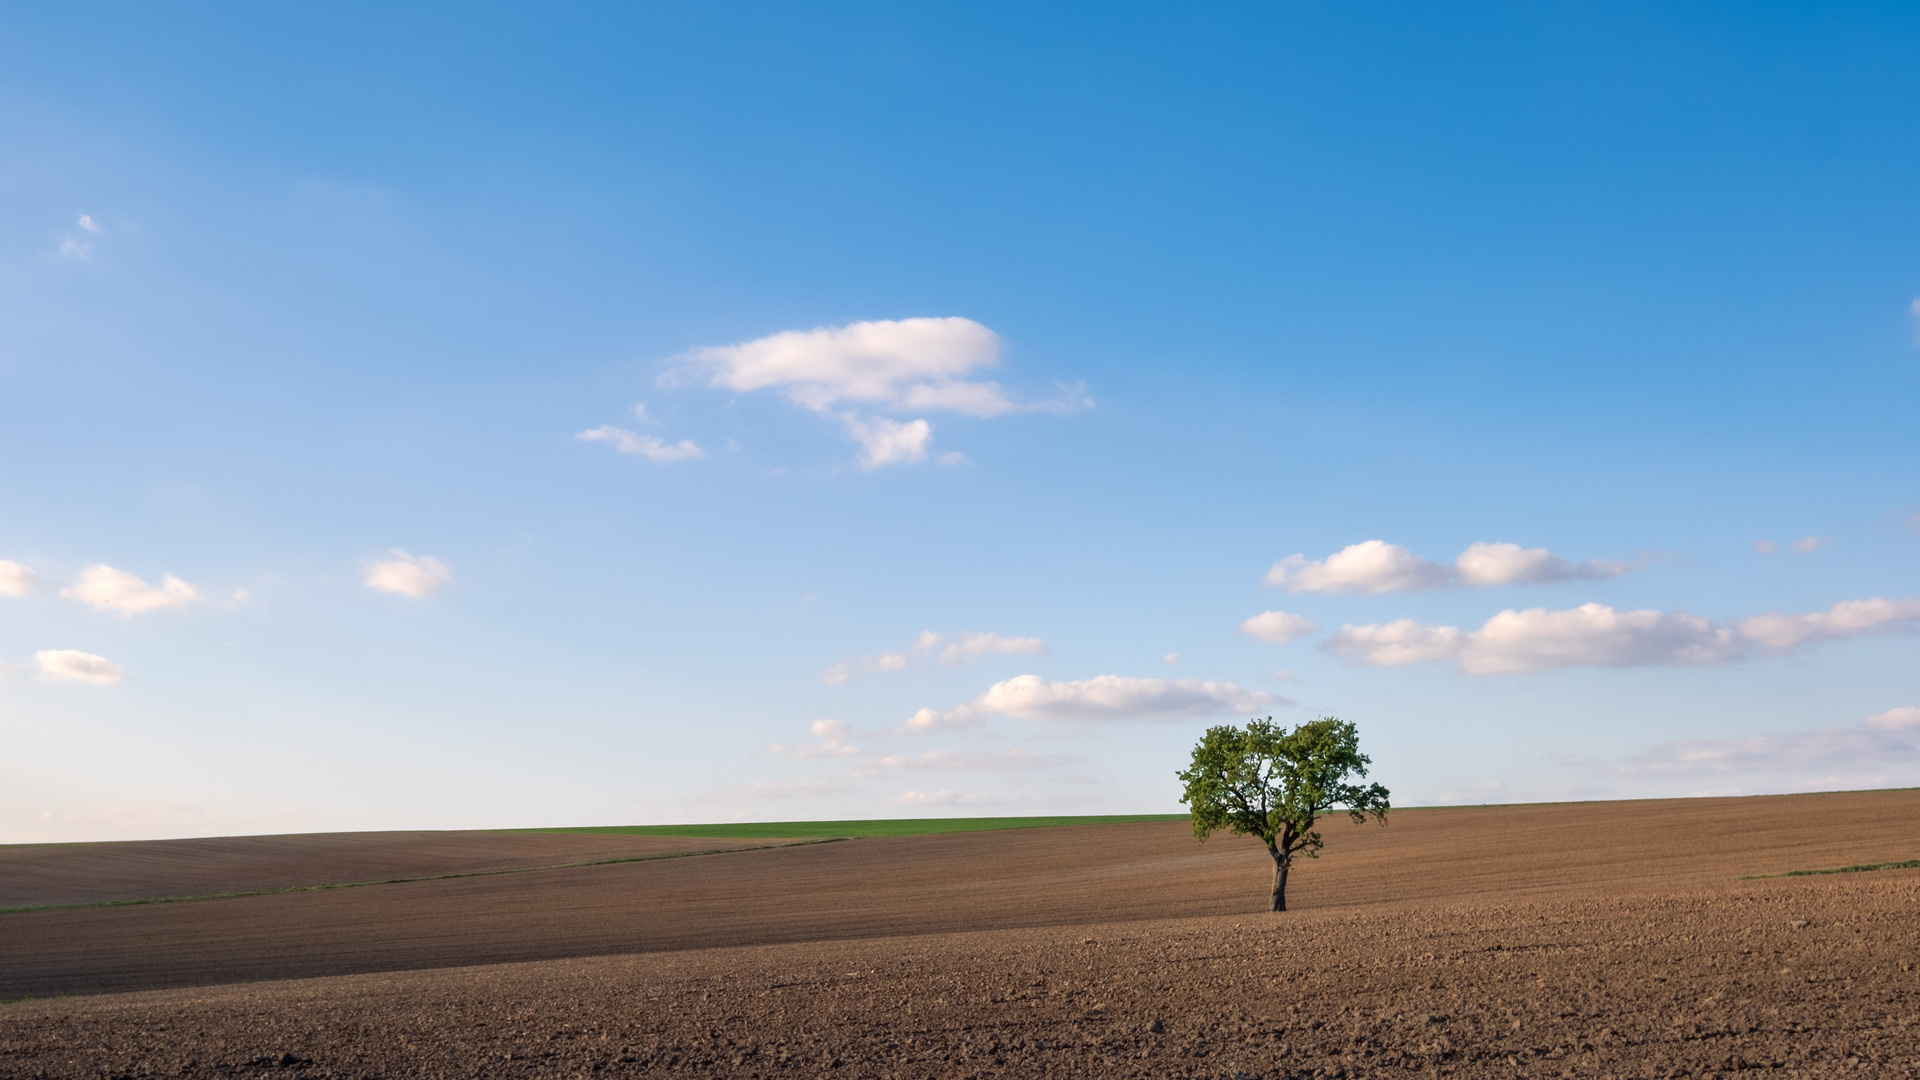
x=1485 y=564
x=16 y=580
x=1765 y=547
x=1807 y=545
x=1595 y=635
x=650 y=447
x=1105 y=697
x=889 y=442
x=1403 y=641
x=1174 y=657
x=831 y=736
x=418 y=576
x=86 y=222
x=1905 y=718
x=917 y=365
x=1371 y=566
x=72 y=665
x=106 y=589
x=957 y=650
x=1275 y=628
x=905 y=363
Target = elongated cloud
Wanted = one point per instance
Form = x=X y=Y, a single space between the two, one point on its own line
x=1375 y=566
x=1595 y=635
x=905 y=363
x=1273 y=627
x=16 y=580
x=103 y=588
x=1891 y=736
x=648 y=446
x=1105 y=697
x=418 y=576
x=898 y=365
x=953 y=650
x=72 y=665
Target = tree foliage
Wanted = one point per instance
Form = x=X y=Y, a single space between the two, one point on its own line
x=1272 y=783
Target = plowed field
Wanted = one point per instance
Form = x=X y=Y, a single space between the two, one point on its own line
x=1590 y=939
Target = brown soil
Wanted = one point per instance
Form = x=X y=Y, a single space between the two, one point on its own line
x=1598 y=939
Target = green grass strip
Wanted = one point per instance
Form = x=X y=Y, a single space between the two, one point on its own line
x=882 y=827
x=1910 y=864
x=404 y=880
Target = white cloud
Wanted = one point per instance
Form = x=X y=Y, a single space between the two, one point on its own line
x=648 y=446
x=960 y=650
x=889 y=442
x=1765 y=547
x=1393 y=644
x=1275 y=628
x=1375 y=566
x=987 y=760
x=1595 y=635
x=418 y=576
x=968 y=648
x=918 y=365
x=1807 y=545
x=906 y=363
x=1872 y=744
x=86 y=222
x=72 y=665
x=832 y=742
x=1485 y=564
x=1371 y=566
x=1174 y=657
x=16 y=580
x=924 y=798
x=1850 y=618
x=106 y=589
x=1899 y=719
x=1105 y=697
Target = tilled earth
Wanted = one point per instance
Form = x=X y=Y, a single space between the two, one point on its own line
x=1811 y=976
x=1429 y=967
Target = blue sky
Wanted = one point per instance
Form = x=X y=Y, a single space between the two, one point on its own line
x=482 y=416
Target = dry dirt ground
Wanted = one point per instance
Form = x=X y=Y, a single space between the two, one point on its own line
x=1599 y=939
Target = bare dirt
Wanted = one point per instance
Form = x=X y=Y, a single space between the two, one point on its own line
x=1583 y=939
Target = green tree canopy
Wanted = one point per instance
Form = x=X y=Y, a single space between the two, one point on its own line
x=1273 y=783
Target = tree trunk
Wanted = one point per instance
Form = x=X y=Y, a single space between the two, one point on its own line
x=1280 y=866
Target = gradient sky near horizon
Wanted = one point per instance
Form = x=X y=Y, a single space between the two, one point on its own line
x=482 y=415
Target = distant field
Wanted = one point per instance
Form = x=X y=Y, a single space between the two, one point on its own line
x=776 y=830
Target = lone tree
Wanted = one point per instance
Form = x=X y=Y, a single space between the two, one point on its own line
x=1273 y=783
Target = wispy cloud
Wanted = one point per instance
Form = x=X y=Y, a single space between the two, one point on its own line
x=417 y=576
x=650 y=447
x=16 y=580
x=81 y=246
x=72 y=665
x=104 y=588
x=888 y=442
x=1102 y=698
x=952 y=650
x=1375 y=566
x=1595 y=635
x=1891 y=737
